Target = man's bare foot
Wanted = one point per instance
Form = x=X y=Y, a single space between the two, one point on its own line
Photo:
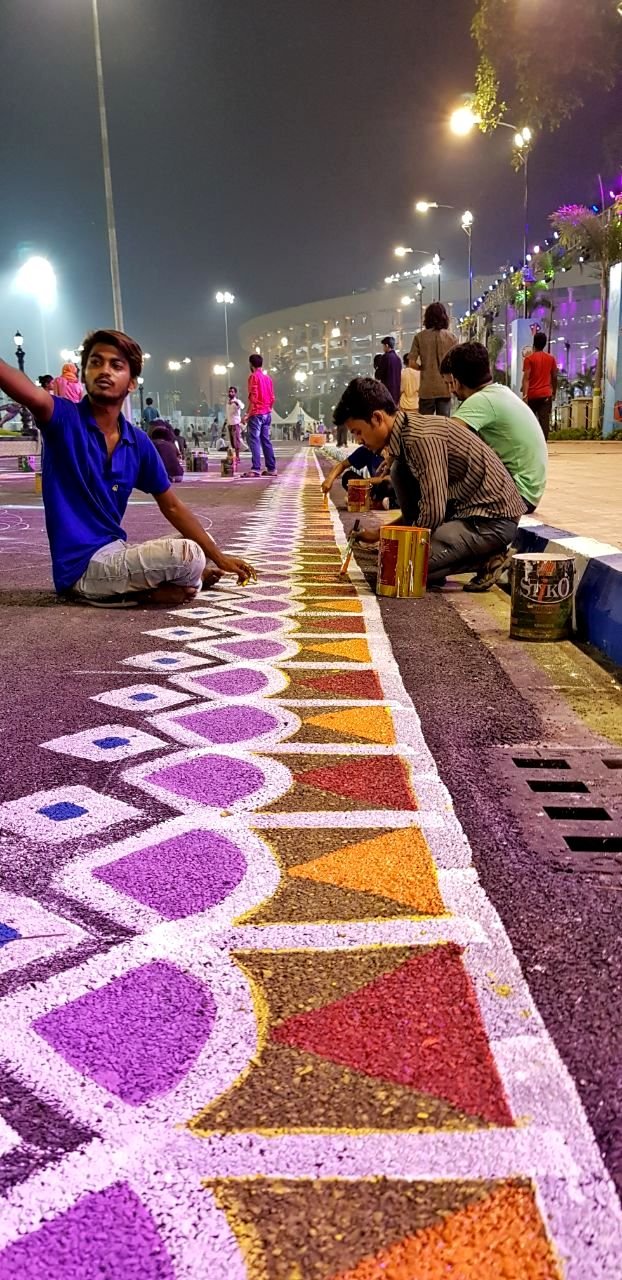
x=210 y=578
x=167 y=594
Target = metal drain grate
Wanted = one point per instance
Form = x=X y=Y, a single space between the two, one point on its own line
x=569 y=806
x=560 y=785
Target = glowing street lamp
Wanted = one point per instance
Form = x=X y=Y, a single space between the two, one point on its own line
x=463 y=120
x=401 y=250
x=20 y=354
x=37 y=279
x=220 y=370
x=225 y=299
x=300 y=377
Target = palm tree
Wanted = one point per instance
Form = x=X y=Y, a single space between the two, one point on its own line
x=597 y=238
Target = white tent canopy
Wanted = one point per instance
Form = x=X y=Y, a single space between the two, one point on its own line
x=276 y=418
x=297 y=413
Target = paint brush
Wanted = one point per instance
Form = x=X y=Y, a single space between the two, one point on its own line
x=349 y=549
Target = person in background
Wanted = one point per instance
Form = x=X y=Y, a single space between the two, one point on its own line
x=389 y=370
x=68 y=385
x=446 y=478
x=233 y=416
x=259 y=418
x=45 y=381
x=540 y=382
x=150 y=413
x=429 y=348
x=92 y=460
x=353 y=468
x=168 y=451
x=504 y=421
x=181 y=442
x=409 y=393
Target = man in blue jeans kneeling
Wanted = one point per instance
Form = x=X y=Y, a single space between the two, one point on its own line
x=259 y=419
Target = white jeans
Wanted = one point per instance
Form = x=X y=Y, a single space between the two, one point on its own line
x=120 y=568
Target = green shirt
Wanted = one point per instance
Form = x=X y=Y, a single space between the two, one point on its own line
x=508 y=425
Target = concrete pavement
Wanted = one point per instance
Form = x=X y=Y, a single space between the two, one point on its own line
x=293 y=986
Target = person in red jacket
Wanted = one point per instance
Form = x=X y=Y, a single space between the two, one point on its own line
x=259 y=419
x=540 y=382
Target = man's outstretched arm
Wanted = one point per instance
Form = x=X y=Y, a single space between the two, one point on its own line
x=187 y=524
x=20 y=388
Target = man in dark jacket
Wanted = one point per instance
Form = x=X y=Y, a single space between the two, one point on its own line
x=390 y=369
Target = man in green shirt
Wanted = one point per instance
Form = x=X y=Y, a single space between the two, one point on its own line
x=500 y=417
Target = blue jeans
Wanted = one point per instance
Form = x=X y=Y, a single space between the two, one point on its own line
x=259 y=438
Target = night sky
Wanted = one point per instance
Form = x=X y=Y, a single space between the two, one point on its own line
x=274 y=149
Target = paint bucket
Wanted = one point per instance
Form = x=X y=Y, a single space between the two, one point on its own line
x=359 y=495
x=226 y=467
x=543 y=589
x=38 y=482
x=316 y=441
x=403 y=561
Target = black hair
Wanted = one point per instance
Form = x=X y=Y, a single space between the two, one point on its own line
x=234 y=389
x=255 y=360
x=126 y=346
x=539 y=341
x=468 y=363
x=389 y=342
x=149 y=400
x=361 y=398
x=377 y=360
x=436 y=316
x=45 y=379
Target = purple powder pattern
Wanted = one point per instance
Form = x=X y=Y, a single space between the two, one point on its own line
x=108 y=1234
x=259 y=626
x=234 y=683
x=236 y=723
x=256 y=649
x=215 y=780
x=138 y=1036
x=179 y=877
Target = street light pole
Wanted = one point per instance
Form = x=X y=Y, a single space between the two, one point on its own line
x=20 y=356
x=115 y=274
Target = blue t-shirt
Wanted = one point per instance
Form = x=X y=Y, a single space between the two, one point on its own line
x=364 y=457
x=86 y=492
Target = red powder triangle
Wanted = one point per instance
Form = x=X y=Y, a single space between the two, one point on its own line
x=382 y=781
x=418 y=1026
x=346 y=684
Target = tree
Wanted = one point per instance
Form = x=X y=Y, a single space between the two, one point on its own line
x=593 y=237
x=542 y=59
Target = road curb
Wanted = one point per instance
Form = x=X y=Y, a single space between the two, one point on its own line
x=598 y=604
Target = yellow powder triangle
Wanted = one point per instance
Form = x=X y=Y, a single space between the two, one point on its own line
x=397 y=865
x=355 y=650
x=501 y=1236
x=338 y=606
x=371 y=723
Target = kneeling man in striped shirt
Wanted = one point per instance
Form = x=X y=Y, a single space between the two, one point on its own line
x=447 y=480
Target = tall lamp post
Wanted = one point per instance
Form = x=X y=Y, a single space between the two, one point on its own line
x=20 y=356
x=113 y=249
x=402 y=250
x=226 y=299
x=467 y=226
x=462 y=122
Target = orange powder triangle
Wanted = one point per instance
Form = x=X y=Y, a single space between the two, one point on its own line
x=373 y=724
x=397 y=865
x=355 y=650
x=501 y=1236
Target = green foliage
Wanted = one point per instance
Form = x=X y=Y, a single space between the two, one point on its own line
x=544 y=58
x=596 y=237
x=487 y=103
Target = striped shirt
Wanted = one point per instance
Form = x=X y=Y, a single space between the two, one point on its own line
x=453 y=468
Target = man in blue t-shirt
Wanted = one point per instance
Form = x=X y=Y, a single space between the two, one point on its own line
x=361 y=461
x=92 y=459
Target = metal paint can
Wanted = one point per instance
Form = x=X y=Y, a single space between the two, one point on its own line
x=226 y=467
x=359 y=495
x=543 y=590
x=38 y=482
x=403 y=561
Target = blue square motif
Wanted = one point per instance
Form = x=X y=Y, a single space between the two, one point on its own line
x=108 y=744
x=142 y=697
x=62 y=811
x=7 y=934
x=166 y=662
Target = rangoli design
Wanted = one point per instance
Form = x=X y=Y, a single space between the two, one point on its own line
x=298 y=1045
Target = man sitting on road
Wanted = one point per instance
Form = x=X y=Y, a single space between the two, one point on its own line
x=447 y=480
x=502 y=419
x=92 y=460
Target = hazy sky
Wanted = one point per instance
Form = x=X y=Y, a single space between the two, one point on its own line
x=274 y=149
